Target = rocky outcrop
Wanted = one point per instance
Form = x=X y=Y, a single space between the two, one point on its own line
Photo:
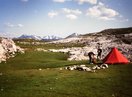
x=109 y=38
x=8 y=49
x=107 y=43
x=91 y=44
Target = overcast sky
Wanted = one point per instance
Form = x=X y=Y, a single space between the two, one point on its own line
x=62 y=17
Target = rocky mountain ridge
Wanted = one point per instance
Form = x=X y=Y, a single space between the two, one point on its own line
x=73 y=35
x=109 y=38
x=44 y=38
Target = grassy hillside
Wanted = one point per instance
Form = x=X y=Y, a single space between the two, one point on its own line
x=120 y=34
x=116 y=31
x=21 y=77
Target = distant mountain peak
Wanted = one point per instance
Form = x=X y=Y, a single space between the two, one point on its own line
x=73 y=35
x=45 y=38
x=51 y=38
x=24 y=36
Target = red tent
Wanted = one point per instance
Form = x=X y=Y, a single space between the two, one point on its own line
x=115 y=56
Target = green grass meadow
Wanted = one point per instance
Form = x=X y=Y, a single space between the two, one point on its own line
x=21 y=77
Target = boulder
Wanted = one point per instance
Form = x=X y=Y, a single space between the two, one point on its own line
x=8 y=49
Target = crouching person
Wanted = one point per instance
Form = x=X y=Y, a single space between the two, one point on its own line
x=92 y=59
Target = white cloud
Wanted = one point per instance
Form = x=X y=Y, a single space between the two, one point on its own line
x=71 y=11
x=60 y=1
x=52 y=14
x=71 y=16
x=24 y=0
x=87 y=1
x=68 y=13
x=123 y=20
x=106 y=18
x=10 y=25
x=20 y=25
x=79 y=1
x=102 y=12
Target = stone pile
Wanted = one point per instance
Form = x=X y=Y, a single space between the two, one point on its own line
x=85 y=68
x=102 y=66
x=79 y=67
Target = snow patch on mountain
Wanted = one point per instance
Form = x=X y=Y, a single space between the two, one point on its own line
x=52 y=37
x=29 y=37
x=73 y=35
x=47 y=38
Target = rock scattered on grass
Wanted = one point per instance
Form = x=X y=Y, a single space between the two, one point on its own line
x=85 y=68
x=1 y=74
x=40 y=69
x=2 y=89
